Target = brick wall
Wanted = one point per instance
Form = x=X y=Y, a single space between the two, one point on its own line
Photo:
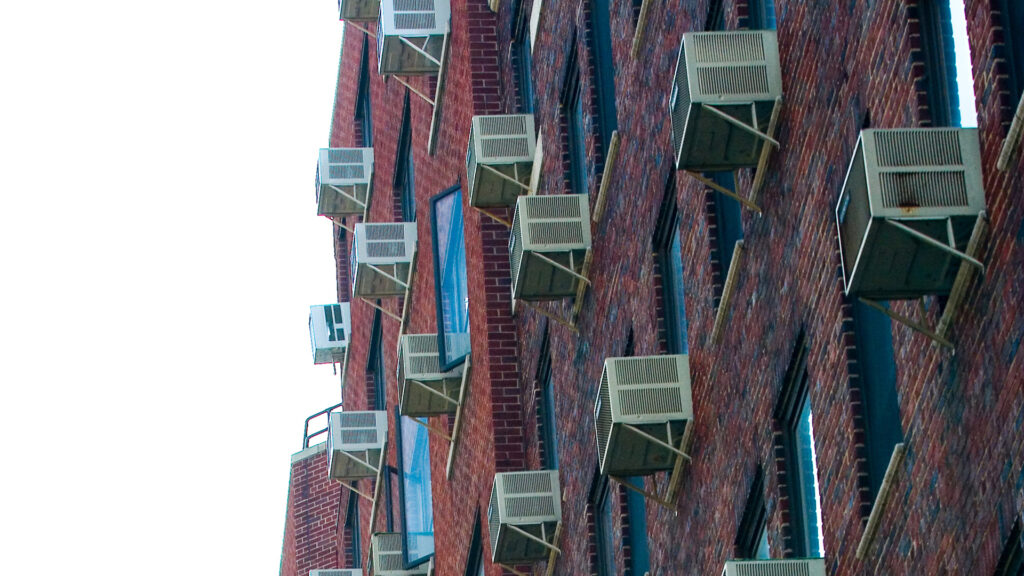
x=313 y=530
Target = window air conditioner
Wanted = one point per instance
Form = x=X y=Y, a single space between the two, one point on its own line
x=353 y=440
x=529 y=501
x=502 y=144
x=418 y=360
x=383 y=254
x=358 y=10
x=352 y=572
x=801 y=567
x=737 y=73
x=329 y=327
x=386 y=556
x=648 y=394
x=423 y=23
x=927 y=180
x=546 y=229
x=341 y=172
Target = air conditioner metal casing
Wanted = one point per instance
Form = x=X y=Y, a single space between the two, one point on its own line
x=528 y=501
x=651 y=393
x=355 y=436
x=329 y=329
x=737 y=72
x=790 y=567
x=421 y=22
x=388 y=246
x=386 y=556
x=347 y=169
x=418 y=360
x=924 y=178
x=337 y=572
x=558 y=227
x=359 y=10
x=505 y=143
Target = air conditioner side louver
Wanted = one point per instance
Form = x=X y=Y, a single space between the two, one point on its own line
x=353 y=440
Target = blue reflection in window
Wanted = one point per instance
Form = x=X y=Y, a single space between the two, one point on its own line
x=677 y=296
x=417 y=503
x=450 y=277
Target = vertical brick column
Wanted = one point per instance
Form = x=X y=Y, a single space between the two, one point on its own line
x=312 y=534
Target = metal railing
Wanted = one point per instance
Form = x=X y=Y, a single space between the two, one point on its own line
x=306 y=436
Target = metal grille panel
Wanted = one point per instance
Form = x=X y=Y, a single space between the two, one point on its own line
x=357 y=419
x=506 y=125
x=526 y=483
x=503 y=147
x=359 y=436
x=471 y=159
x=345 y=171
x=771 y=568
x=722 y=48
x=562 y=206
x=923 y=189
x=423 y=364
x=650 y=401
x=413 y=5
x=556 y=232
x=529 y=506
x=385 y=249
x=414 y=21
x=918 y=148
x=421 y=343
x=344 y=155
x=603 y=418
x=680 y=101
x=384 y=231
x=651 y=370
x=515 y=248
x=493 y=517
x=726 y=80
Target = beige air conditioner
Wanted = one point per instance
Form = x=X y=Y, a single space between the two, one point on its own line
x=528 y=502
x=358 y=10
x=641 y=398
x=423 y=23
x=383 y=254
x=344 y=179
x=910 y=196
x=499 y=161
x=350 y=572
x=355 y=439
x=801 y=567
x=419 y=368
x=735 y=73
x=329 y=327
x=550 y=236
x=386 y=556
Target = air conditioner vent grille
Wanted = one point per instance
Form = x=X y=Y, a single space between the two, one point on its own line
x=537 y=505
x=604 y=418
x=725 y=48
x=424 y=364
x=556 y=232
x=733 y=80
x=504 y=125
x=923 y=189
x=414 y=21
x=413 y=5
x=493 y=517
x=650 y=370
x=357 y=419
x=344 y=155
x=563 y=206
x=385 y=249
x=515 y=241
x=525 y=483
x=918 y=148
x=421 y=343
x=680 y=102
x=346 y=171
x=385 y=232
x=499 y=147
x=649 y=401
x=356 y=436
x=771 y=569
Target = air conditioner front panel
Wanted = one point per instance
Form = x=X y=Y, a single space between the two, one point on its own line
x=502 y=143
x=347 y=170
x=354 y=438
x=382 y=247
x=794 y=567
x=530 y=501
x=386 y=555
x=548 y=228
x=421 y=22
x=359 y=10
x=329 y=329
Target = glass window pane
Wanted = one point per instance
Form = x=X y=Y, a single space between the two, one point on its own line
x=548 y=422
x=641 y=555
x=605 y=532
x=763 y=551
x=417 y=501
x=578 y=146
x=677 y=296
x=877 y=364
x=968 y=113
x=808 y=481
x=450 y=276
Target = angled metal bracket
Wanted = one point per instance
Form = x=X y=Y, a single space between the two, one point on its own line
x=457 y=426
x=671 y=493
x=725 y=302
x=554 y=550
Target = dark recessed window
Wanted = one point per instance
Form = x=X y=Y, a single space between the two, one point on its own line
x=546 y=408
x=450 y=281
x=414 y=491
x=475 y=566
x=752 y=538
x=762 y=14
x=375 y=364
x=604 y=69
x=522 y=58
x=728 y=221
x=640 y=554
x=1013 y=35
x=794 y=414
x=364 y=114
x=716 y=16
x=405 y=180
x=669 y=261
x=601 y=502
x=353 y=553
x=1011 y=562
x=572 y=107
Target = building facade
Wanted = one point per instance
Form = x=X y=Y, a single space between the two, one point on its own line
x=820 y=426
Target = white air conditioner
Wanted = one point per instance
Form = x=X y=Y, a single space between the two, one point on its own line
x=383 y=253
x=530 y=501
x=342 y=173
x=650 y=394
x=736 y=72
x=801 y=567
x=423 y=23
x=386 y=556
x=359 y=10
x=418 y=360
x=548 y=228
x=355 y=439
x=350 y=572
x=927 y=179
x=329 y=329
x=505 y=144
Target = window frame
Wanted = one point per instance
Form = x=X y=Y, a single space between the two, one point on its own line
x=728 y=224
x=546 y=419
x=575 y=123
x=1012 y=19
x=762 y=15
x=603 y=61
x=375 y=363
x=667 y=237
x=400 y=422
x=445 y=363
x=1011 y=559
x=753 y=527
x=354 y=550
x=475 y=563
x=522 y=58
x=405 y=169
x=364 y=108
x=600 y=500
x=939 y=74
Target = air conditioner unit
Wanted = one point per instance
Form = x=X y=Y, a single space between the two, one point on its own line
x=383 y=253
x=423 y=23
x=418 y=360
x=801 y=567
x=359 y=10
x=927 y=179
x=504 y=144
x=650 y=394
x=737 y=73
x=350 y=572
x=355 y=439
x=386 y=556
x=530 y=501
x=548 y=228
x=329 y=327
x=342 y=171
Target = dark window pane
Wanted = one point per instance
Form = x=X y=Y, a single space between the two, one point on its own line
x=1011 y=562
x=640 y=560
x=604 y=529
x=364 y=115
x=604 y=69
x=547 y=410
x=1013 y=22
x=806 y=481
x=417 y=501
x=450 y=280
x=729 y=220
x=578 y=145
x=375 y=365
x=762 y=14
x=675 y=302
x=752 y=538
x=523 y=59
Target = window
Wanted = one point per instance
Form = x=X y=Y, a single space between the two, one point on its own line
x=728 y=220
x=364 y=115
x=572 y=107
x=877 y=371
x=604 y=69
x=1013 y=35
x=716 y=16
x=669 y=262
x=948 y=76
x=636 y=506
x=522 y=58
x=1011 y=562
x=752 y=539
x=450 y=282
x=353 y=553
x=375 y=365
x=603 y=527
x=793 y=412
x=475 y=566
x=405 y=180
x=762 y=14
x=546 y=408
x=414 y=491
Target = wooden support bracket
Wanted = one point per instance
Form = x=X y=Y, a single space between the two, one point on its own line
x=1013 y=137
x=731 y=279
x=606 y=175
x=457 y=426
x=881 y=501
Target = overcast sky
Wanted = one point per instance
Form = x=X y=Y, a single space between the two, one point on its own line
x=159 y=251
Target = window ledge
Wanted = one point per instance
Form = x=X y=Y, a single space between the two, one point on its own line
x=881 y=501
x=1013 y=137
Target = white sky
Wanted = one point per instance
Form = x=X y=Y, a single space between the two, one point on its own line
x=159 y=251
